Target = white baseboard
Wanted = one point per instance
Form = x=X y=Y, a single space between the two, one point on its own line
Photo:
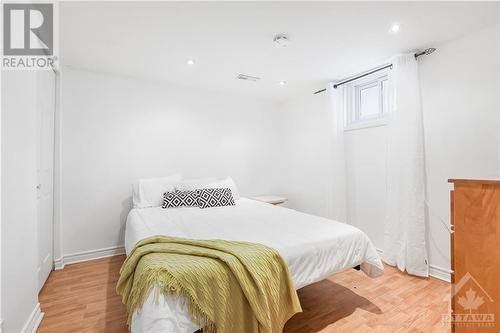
x=59 y=263
x=440 y=273
x=434 y=271
x=74 y=258
x=34 y=320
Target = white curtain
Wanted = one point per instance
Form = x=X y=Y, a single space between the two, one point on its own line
x=335 y=107
x=404 y=234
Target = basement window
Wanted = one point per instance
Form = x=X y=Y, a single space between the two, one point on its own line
x=367 y=102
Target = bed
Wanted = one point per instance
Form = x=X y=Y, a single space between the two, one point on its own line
x=312 y=246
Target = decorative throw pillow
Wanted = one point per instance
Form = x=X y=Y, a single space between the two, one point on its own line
x=179 y=199
x=214 y=197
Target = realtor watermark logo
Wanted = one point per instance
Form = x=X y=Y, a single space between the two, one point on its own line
x=473 y=301
x=28 y=38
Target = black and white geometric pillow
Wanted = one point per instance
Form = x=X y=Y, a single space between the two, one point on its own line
x=214 y=197
x=179 y=199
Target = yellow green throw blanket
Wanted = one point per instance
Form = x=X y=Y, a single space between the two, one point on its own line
x=231 y=287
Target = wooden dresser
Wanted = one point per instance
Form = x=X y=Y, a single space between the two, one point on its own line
x=475 y=255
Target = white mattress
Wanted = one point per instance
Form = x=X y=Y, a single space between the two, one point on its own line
x=313 y=247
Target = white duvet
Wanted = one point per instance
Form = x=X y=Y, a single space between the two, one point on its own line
x=313 y=247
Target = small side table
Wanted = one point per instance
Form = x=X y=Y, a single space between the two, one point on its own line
x=271 y=199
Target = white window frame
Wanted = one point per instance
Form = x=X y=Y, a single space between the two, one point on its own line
x=353 y=101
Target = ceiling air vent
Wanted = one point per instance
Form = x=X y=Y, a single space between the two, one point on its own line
x=248 y=77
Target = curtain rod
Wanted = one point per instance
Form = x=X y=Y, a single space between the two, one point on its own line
x=416 y=55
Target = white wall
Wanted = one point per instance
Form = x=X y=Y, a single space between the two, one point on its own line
x=115 y=130
x=366 y=180
x=306 y=179
x=460 y=96
x=19 y=234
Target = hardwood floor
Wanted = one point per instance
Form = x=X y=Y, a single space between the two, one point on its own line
x=82 y=298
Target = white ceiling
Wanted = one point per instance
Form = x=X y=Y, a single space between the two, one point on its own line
x=328 y=39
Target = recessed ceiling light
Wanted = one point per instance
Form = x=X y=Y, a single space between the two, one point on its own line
x=395 y=28
x=190 y=62
x=282 y=83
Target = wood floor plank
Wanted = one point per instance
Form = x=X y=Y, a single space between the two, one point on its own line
x=82 y=298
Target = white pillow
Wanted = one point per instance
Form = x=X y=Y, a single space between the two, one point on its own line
x=149 y=192
x=193 y=184
x=228 y=182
